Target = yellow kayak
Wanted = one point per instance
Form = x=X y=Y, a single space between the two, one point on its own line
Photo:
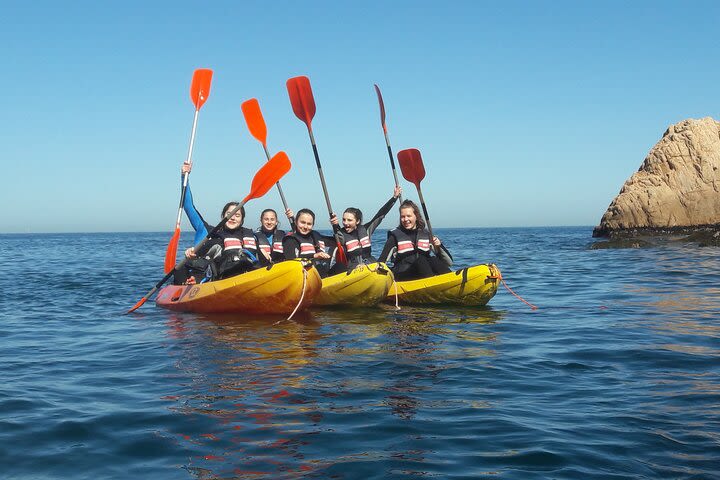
x=276 y=289
x=364 y=286
x=468 y=286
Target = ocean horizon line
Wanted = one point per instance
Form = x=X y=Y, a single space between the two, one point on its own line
x=107 y=232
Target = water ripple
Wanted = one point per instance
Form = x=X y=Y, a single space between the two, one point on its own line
x=615 y=376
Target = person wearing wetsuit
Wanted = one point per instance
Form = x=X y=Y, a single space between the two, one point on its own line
x=231 y=251
x=270 y=237
x=409 y=246
x=305 y=242
x=355 y=237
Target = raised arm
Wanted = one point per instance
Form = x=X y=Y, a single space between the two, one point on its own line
x=198 y=223
x=380 y=215
x=196 y=220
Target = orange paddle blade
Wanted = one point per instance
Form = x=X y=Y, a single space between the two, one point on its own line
x=200 y=86
x=138 y=305
x=301 y=98
x=382 y=108
x=171 y=253
x=411 y=165
x=268 y=175
x=254 y=119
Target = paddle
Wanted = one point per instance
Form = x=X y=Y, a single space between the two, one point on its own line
x=387 y=140
x=199 y=91
x=256 y=125
x=303 y=104
x=413 y=170
x=264 y=179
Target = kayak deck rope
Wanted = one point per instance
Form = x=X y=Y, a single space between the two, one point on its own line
x=380 y=268
x=495 y=273
x=302 y=295
x=397 y=306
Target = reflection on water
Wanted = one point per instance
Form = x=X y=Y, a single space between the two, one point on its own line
x=269 y=400
x=615 y=376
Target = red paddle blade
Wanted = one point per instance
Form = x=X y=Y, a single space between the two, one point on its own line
x=382 y=108
x=340 y=256
x=301 y=98
x=171 y=253
x=411 y=165
x=268 y=175
x=200 y=86
x=254 y=119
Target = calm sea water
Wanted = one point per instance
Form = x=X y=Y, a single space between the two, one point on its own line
x=616 y=375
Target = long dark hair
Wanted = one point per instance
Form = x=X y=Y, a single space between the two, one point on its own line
x=355 y=212
x=419 y=223
x=229 y=206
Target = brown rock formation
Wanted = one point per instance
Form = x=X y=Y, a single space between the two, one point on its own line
x=677 y=188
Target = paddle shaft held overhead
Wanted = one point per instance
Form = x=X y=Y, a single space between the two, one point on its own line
x=387 y=139
x=320 y=171
x=186 y=175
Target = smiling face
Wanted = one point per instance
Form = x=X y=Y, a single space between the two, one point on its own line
x=408 y=219
x=236 y=220
x=304 y=223
x=349 y=222
x=269 y=220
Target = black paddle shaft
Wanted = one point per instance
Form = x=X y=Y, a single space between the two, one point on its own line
x=320 y=171
x=336 y=228
x=427 y=218
x=392 y=164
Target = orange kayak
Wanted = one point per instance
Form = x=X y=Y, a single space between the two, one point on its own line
x=274 y=290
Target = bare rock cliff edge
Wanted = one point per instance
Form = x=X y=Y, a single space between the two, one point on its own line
x=677 y=187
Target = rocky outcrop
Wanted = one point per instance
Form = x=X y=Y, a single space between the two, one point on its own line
x=677 y=188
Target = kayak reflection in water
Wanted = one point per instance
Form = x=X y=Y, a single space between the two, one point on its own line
x=229 y=252
x=355 y=236
x=408 y=247
x=305 y=242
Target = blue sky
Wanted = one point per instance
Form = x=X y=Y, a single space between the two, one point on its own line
x=526 y=113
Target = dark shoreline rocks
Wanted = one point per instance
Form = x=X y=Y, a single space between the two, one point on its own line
x=702 y=236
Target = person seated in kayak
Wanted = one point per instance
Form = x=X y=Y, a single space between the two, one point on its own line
x=231 y=251
x=355 y=236
x=305 y=242
x=270 y=237
x=408 y=246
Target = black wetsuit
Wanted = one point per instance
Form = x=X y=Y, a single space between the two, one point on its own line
x=358 y=244
x=270 y=242
x=296 y=245
x=411 y=254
